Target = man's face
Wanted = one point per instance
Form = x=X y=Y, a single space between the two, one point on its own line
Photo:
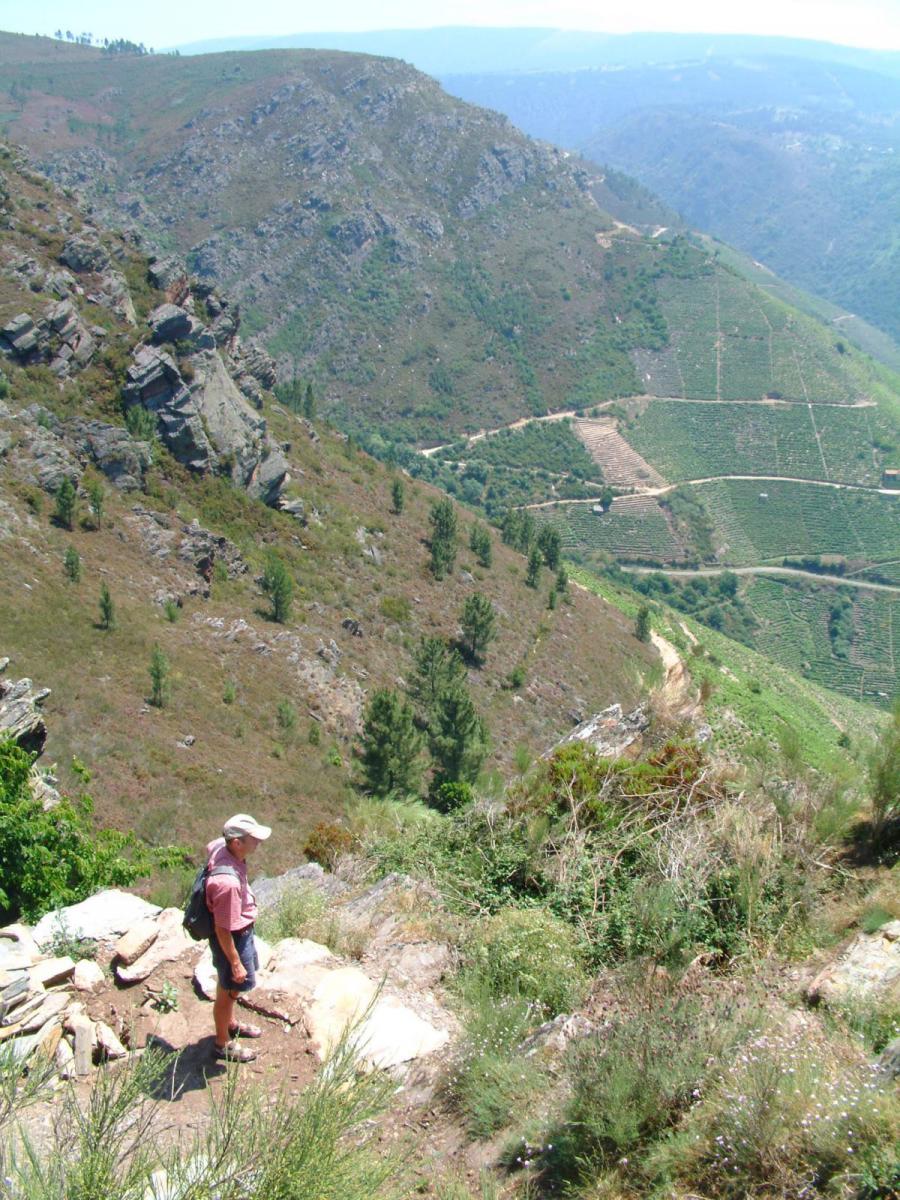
x=250 y=843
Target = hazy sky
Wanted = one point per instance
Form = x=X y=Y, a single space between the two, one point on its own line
x=874 y=23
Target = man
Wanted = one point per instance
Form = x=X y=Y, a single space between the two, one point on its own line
x=233 y=909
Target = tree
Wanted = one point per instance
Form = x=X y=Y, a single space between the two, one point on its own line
x=479 y=624
x=398 y=495
x=480 y=544
x=642 y=624
x=66 y=500
x=96 y=498
x=390 y=745
x=550 y=545
x=159 y=678
x=606 y=498
x=107 y=609
x=72 y=564
x=533 y=574
x=562 y=580
x=443 y=537
x=309 y=403
x=279 y=587
x=457 y=739
x=437 y=669
x=884 y=777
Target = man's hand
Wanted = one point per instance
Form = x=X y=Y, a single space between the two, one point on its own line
x=238 y=971
x=226 y=941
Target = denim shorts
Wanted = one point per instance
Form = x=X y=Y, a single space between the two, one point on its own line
x=245 y=944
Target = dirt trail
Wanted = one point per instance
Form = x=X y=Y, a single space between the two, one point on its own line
x=815 y=576
x=472 y=438
x=662 y=491
x=675 y=687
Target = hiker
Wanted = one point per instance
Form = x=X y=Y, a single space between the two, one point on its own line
x=233 y=909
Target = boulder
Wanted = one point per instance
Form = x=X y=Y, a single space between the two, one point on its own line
x=285 y=988
x=868 y=968
x=234 y=428
x=20 y=718
x=611 y=733
x=270 y=476
x=108 y=1043
x=138 y=939
x=268 y=892
x=83 y=252
x=103 y=917
x=889 y=1059
x=554 y=1036
x=170 y=943
x=154 y=382
x=123 y=459
x=48 y=971
x=170 y=323
x=45 y=460
x=88 y=975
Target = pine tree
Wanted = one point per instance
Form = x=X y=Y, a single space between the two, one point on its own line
x=390 y=745
x=279 y=587
x=66 y=501
x=480 y=544
x=159 y=678
x=479 y=624
x=107 y=609
x=398 y=495
x=562 y=580
x=443 y=537
x=457 y=739
x=309 y=403
x=72 y=564
x=550 y=545
x=97 y=499
x=642 y=624
x=437 y=669
x=533 y=574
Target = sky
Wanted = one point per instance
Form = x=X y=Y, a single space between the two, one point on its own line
x=872 y=23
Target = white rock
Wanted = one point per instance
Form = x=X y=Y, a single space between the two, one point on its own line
x=138 y=939
x=64 y=1058
x=101 y=917
x=88 y=975
x=51 y=970
x=108 y=1042
x=20 y=938
x=170 y=943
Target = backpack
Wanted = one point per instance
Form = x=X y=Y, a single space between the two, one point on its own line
x=198 y=922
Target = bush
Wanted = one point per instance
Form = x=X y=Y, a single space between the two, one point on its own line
x=528 y=953
x=327 y=842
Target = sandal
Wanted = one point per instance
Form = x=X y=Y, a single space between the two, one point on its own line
x=232 y=1052
x=238 y=1029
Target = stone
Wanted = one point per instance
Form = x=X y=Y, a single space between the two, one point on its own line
x=268 y=892
x=51 y=460
x=169 y=944
x=286 y=987
x=170 y=323
x=83 y=1029
x=553 y=1036
x=21 y=936
x=36 y=1014
x=123 y=459
x=103 y=917
x=889 y=1059
x=51 y=970
x=83 y=252
x=108 y=1042
x=611 y=733
x=64 y=1060
x=868 y=968
x=270 y=476
x=88 y=975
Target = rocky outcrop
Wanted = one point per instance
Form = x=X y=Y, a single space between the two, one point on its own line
x=154 y=382
x=20 y=715
x=611 y=733
x=59 y=339
x=123 y=459
x=868 y=969
x=84 y=252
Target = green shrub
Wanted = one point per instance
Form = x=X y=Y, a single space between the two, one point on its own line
x=530 y=954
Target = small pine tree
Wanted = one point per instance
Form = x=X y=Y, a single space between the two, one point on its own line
x=535 y=561
x=309 y=403
x=457 y=739
x=107 y=609
x=884 y=778
x=550 y=544
x=279 y=587
x=480 y=544
x=97 y=500
x=66 y=501
x=437 y=669
x=443 y=537
x=479 y=624
x=562 y=580
x=642 y=624
x=159 y=678
x=398 y=495
x=72 y=564
x=390 y=746
x=551 y=599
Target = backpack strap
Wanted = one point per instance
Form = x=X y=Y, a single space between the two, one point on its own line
x=222 y=869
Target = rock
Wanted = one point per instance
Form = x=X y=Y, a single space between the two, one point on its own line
x=21 y=937
x=154 y=382
x=234 y=429
x=203 y=550
x=51 y=970
x=64 y=1060
x=553 y=1036
x=88 y=975
x=889 y=1059
x=169 y=944
x=868 y=968
x=170 y=323
x=268 y=892
x=83 y=1029
x=20 y=718
x=102 y=917
x=169 y=276
x=83 y=252
x=286 y=987
x=19 y=337
x=294 y=508
x=610 y=733
x=269 y=476
x=35 y=1015
x=352 y=626
x=123 y=459
x=51 y=460
x=108 y=1043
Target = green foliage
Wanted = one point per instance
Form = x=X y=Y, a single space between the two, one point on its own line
x=480 y=544
x=531 y=954
x=72 y=564
x=457 y=739
x=533 y=573
x=278 y=585
x=437 y=669
x=107 y=609
x=65 y=503
x=396 y=608
x=286 y=715
x=479 y=625
x=97 y=500
x=398 y=496
x=443 y=537
x=518 y=529
x=390 y=745
x=309 y=403
x=229 y=692
x=884 y=778
x=550 y=544
x=159 y=678
x=642 y=624
x=172 y=611
x=451 y=797
x=56 y=857
x=141 y=423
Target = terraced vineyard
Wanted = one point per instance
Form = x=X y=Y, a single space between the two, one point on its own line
x=759 y=523
x=794 y=630
x=636 y=529
x=621 y=465
x=694 y=441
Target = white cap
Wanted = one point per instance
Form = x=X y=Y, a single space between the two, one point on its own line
x=242 y=823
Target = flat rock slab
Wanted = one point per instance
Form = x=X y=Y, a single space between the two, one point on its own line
x=102 y=917
x=170 y=943
x=870 y=967
x=139 y=938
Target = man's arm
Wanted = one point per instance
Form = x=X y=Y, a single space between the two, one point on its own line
x=226 y=941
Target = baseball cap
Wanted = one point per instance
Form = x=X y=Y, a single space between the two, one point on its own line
x=242 y=823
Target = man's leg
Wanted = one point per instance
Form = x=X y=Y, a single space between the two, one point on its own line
x=223 y=1014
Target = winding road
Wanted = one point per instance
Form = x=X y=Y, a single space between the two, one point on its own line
x=815 y=576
